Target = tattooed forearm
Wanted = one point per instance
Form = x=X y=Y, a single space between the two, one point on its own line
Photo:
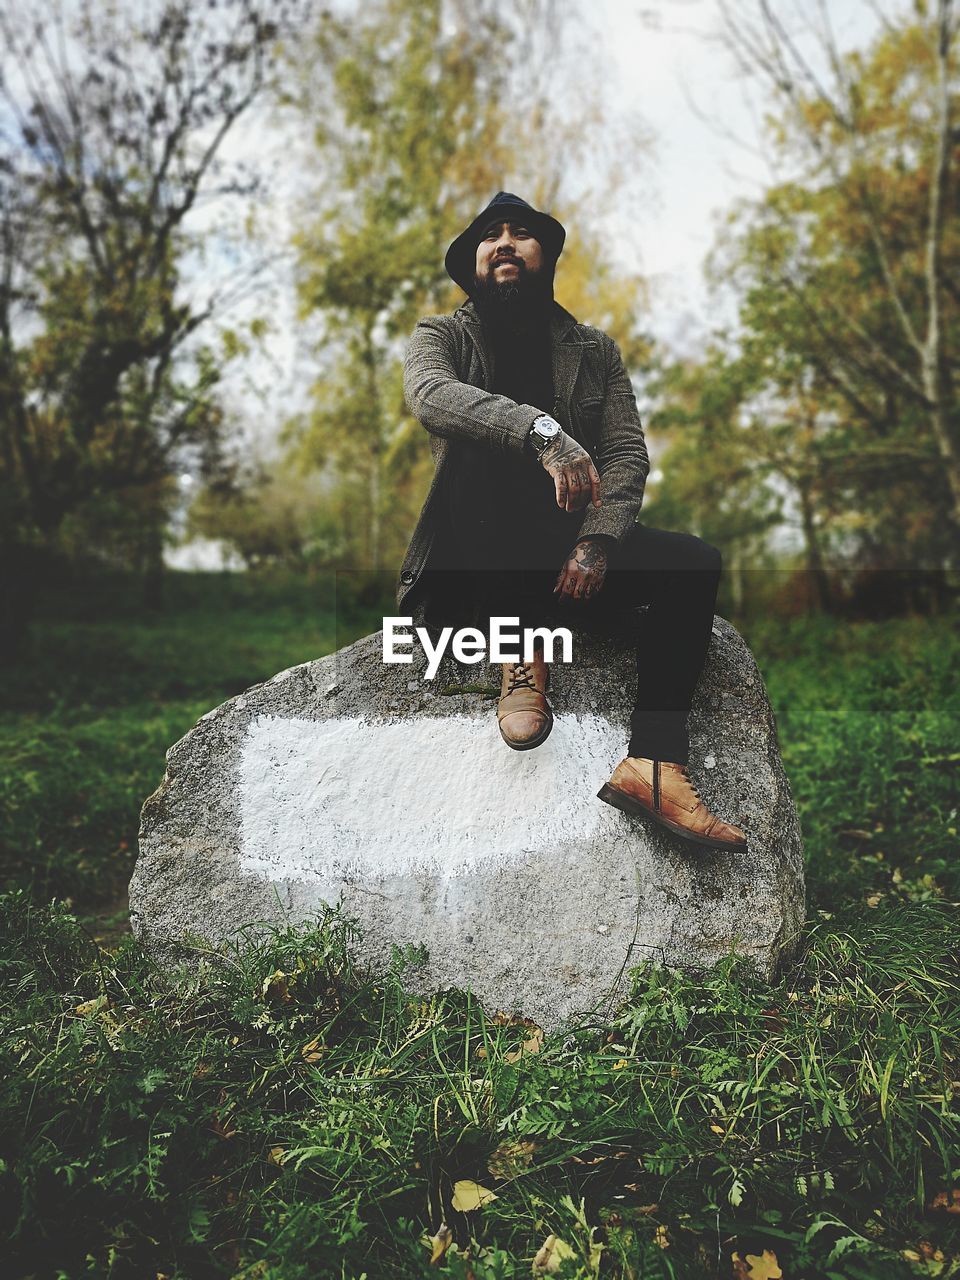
x=576 y=479
x=583 y=573
x=590 y=555
x=564 y=449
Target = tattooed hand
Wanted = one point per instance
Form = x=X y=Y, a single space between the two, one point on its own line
x=573 y=472
x=583 y=572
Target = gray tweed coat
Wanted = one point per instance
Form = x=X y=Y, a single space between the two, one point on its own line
x=447 y=378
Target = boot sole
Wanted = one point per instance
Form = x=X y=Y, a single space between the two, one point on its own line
x=626 y=804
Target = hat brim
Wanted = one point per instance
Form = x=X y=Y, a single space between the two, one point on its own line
x=461 y=257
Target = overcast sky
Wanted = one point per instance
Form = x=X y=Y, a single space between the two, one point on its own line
x=702 y=114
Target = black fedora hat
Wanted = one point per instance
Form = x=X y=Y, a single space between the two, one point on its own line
x=462 y=255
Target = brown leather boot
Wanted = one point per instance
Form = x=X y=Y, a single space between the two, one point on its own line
x=662 y=790
x=523 y=711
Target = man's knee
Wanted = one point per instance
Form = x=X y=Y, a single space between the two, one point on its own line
x=704 y=555
x=658 y=549
x=691 y=552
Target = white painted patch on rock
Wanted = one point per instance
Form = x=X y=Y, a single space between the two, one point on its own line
x=347 y=797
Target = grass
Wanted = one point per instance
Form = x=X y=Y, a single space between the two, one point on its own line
x=105 y=688
x=869 y=722
x=284 y=1116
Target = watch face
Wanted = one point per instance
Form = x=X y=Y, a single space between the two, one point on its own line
x=547 y=429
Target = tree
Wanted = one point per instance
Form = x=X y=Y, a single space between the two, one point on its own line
x=713 y=482
x=112 y=137
x=859 y=252
x=277 y=517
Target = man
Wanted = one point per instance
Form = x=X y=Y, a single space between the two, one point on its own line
x=540 y=469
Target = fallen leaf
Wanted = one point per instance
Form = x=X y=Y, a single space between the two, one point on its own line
x=929 y=1251
x=715 y=1128
x=440 y=1243
x=275 y=1155
x=532 y=1045
x=873 y=899
x=276 y=987
x=661 y=1237
x=946 y=1201
x=762 y=1266
x=620 y=1064
x=312 y=1051
x=551 y=1255
x=501 y=1019
x=468 y=1196
x=223 y=1127
x=510 y=1158
x=774 y=1017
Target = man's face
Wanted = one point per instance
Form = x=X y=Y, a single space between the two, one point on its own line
x=507 y=255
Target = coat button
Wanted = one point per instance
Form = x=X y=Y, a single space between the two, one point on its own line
x=407 y=577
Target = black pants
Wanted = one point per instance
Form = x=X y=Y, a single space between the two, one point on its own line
x=662 y=586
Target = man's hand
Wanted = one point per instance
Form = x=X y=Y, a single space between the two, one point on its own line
x=583 y=572
x=573 y=472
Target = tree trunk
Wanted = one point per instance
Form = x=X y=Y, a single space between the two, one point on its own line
x=17 y=594
x=814 y=556
x=946 y=442
x=932 y=353
x=153 y=569
x=376 y=450
x=375 y=510
x=735 y=577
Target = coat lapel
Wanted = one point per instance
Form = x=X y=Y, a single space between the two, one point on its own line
x=567 y=354
x=471 y=322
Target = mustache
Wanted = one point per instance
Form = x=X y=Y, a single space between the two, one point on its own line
x=501 y=258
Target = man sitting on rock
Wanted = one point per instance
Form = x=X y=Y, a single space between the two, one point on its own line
x=541 y=463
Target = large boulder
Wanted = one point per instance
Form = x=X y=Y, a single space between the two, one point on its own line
x=349 y=782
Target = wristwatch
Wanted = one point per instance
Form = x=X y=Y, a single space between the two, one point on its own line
x=544 y=430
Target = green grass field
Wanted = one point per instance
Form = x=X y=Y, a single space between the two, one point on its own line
x=283 y=1116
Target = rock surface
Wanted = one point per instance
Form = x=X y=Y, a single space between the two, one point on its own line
x=351 y=782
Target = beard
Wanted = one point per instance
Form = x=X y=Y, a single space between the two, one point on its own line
x=516 y=305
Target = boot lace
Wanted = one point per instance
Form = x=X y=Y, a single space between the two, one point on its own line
x=521 y=677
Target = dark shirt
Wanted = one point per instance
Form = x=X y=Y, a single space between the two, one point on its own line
x=502 y=505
